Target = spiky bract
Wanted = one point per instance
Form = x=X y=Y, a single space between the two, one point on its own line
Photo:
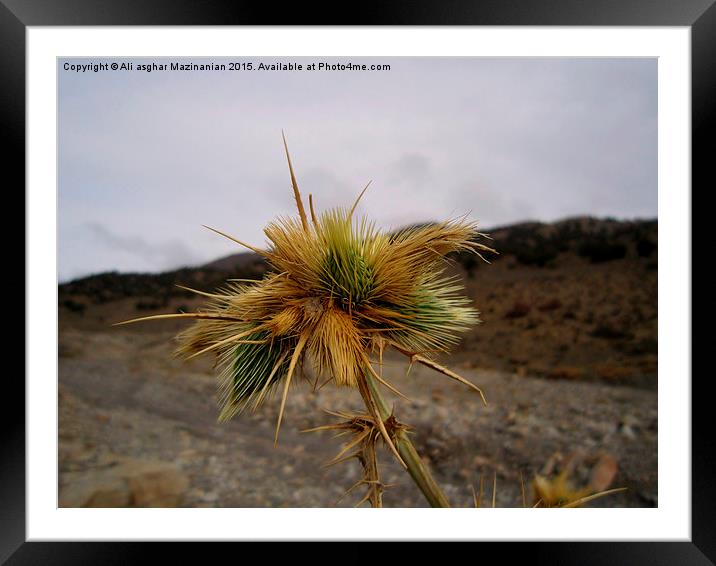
x=338 y=290
x=365 y=434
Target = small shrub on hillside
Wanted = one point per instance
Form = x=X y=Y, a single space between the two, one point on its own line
x=600 y=250
x=551 y=305
x=645 y=248
x=74 y=306
x=519 y=309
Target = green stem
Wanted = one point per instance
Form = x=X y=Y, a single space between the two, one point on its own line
x=416 y=468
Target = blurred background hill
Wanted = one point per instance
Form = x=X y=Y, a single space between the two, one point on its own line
x=575 y=299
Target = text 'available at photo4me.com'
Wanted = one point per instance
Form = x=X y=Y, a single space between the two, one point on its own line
x=230 y=66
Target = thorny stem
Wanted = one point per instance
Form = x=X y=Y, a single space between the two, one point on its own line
x=416 y=468
x=369 y=460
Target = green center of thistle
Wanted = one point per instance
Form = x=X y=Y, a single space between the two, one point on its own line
x=348 y=275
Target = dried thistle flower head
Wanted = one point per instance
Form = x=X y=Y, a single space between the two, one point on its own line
x=340 y=290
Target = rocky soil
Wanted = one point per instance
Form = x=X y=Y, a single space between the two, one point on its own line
x=138 y=428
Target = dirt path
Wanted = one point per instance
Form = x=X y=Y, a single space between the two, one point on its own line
x=122 y=394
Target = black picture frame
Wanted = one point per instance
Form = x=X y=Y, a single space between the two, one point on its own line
x=699 y=15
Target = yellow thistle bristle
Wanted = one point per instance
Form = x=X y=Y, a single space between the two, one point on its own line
x=336 y=346
x=286 y=321
x=556 y=492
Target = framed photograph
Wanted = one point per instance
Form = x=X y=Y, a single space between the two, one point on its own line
x=278 y=275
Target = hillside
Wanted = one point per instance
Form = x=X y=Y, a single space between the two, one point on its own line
x=575 y=299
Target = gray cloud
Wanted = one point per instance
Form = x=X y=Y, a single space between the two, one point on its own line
x=489 y=207
x=162 y=254
x=95 y=245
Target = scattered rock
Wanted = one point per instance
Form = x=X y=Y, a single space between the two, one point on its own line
x=129 y=483
x=603 y=472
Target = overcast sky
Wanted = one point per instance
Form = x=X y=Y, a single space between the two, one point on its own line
x=146 y=158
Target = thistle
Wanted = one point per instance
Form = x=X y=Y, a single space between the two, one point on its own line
x=340 y=292
x=564 y=489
